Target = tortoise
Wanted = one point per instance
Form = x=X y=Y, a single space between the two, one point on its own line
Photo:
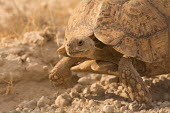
x=127 y=38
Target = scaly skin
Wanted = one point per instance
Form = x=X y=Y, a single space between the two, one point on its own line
x=61 y=74
x=132 y=81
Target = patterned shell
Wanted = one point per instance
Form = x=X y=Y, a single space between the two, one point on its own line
x=136 y=28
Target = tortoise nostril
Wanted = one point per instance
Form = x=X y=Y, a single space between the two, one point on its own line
x=80 y=43
x=68 y=45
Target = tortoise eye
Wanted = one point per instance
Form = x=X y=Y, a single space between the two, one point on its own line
x=80 y=43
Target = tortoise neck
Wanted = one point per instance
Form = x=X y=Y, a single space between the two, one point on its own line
x=106 y=54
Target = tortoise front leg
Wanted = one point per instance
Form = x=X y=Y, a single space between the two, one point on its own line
x=97 y=67
x=61 y=74
x=137 y=89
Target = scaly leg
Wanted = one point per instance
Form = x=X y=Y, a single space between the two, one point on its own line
x=97 y=67
x=137 y=89
x=61 y=74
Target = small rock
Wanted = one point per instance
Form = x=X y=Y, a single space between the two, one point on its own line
x=53 y=106
x=18 y=109
x=23 y=104
x=43 y=101
x=159 y=103
x=133 y=107
x=123 y=108
x=143 y=111
x=36 y=110
x=86 y=90
x=60 y=110
x=108 y=79
x=97 y=89
x=55 y=95
x=32 y=104
x=96 y=77
x=111 y=79
x=86 y=80
x=85 y=110
x=93 y=110
x=74 y=95
x=92 y=103
x=124 y=94
x=128 y=111
x=120 y=87
x=63 y=100
x=78 y=88
x=81 y=102
x=113 y=86
x=108 y=108
x=26 y=110
x=117 y=103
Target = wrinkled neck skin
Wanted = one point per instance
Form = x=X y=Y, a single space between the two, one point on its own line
x=106 y=54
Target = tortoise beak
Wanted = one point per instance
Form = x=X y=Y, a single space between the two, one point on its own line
x=62 y=51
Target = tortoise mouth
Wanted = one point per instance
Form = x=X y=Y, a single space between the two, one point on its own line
x=73 y=53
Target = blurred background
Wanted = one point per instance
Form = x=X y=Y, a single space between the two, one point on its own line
x=20 y=16
x=30 y=33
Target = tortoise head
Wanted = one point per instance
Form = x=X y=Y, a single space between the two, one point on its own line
x=80 y=46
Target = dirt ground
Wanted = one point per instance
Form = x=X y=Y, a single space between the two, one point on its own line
x=18 y=17
x=30 y=33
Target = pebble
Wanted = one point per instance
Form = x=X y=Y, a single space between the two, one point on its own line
x=63 y=100
x=111 y=79
x=97 y=89
x=53 y=106
x=26 y=110
x=18 y=109
x=128 y=111
x=96 y=77
x=159 y=103
x=117 y=103
x=108 y=108
x=32 y=104
x=133 y=107
x=120 y=87
x=86 y=90
x=60 y=110
x=43 y=101
x=77 y=88
x=23 y=104
x=85 y=110
x=74 y=94
x=92 y=103
x=123 y=108
x=86 y=80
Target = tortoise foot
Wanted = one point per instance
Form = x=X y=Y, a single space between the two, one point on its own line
x=136 y=88
x=61 y=75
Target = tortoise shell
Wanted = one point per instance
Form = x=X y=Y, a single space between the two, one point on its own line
x=136 y=28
